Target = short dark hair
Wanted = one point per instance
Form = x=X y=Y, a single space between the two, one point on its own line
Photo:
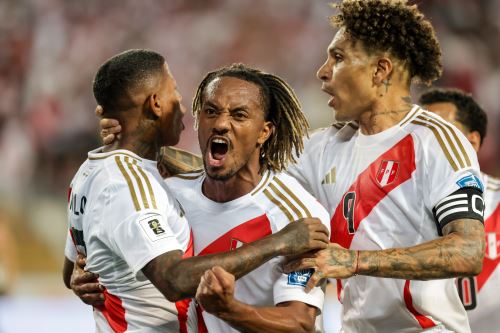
x=396 y=27
x=122 y=73
x=469 y=113
x=281 y=107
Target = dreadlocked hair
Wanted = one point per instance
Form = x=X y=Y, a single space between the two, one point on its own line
x=394 y=26
x=281 y=107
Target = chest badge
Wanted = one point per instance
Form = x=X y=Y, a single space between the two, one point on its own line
x=387 y=172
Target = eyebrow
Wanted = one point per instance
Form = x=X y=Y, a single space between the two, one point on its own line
x=334 y=49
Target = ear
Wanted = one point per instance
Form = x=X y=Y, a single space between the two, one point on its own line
x=475 y=139
x=265 y=133
x=154 y=104
x=382 y=71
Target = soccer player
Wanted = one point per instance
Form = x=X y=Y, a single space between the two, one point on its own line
x=402 y=185
x=479 y=294
x=127 y=222
x=249 y=125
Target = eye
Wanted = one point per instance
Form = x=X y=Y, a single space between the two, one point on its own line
x=338 y=57
x=210 y=111
x=240 y=114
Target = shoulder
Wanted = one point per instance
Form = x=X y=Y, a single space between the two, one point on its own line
x=283 y=196
x=438 y=137
x=184 y=180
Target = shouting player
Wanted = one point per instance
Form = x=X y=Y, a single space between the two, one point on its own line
x=402 y=185
x=479 y=294
x=127 y=222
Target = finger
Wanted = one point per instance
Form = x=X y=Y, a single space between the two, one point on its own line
x=80 y=262
x=225 y=279
x=298 y=265
x=99 y=111
x=86 y=277
x=321 y=228
x=93 y=299
x=88 y=288
x=108 y=139
x=108 y=123
x=319 y=245
x=313 y=281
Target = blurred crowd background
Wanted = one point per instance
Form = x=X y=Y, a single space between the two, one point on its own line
x=51 y=49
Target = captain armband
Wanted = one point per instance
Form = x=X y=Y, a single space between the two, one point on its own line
x=465 y=203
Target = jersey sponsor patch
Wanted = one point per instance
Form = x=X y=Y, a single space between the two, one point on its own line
x=154 y=227
x=300 y=278
x=471 y=181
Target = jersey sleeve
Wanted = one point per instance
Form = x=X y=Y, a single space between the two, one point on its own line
x=451 y=173
x=139 y=236
x=290 y=287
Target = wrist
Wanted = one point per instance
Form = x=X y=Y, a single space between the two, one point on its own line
x=234 y=311
x=356 y=263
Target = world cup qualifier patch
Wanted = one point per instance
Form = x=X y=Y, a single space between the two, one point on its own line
x=300 y=278
x=471 y=181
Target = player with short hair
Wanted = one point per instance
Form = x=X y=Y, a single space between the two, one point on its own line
x=126 y=221
x=402 y=186
x=479 y=294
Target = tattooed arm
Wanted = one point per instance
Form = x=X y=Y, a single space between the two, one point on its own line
x=459 y=252
x=178 y=278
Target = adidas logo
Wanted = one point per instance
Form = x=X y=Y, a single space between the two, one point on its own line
x=330 y=177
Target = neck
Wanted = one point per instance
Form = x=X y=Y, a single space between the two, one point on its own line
x=136 y=140
x=238 y=185
x=386 y=112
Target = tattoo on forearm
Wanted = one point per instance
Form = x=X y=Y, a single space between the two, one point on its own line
x=458 y=253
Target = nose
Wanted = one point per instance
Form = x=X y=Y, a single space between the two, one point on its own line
x=183 y=109
x=222 y=123
x=324 y=73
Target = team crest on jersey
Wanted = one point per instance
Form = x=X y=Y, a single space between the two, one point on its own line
x=300 y=278
x=235 y=243
x=492 y=245
x=387 y=172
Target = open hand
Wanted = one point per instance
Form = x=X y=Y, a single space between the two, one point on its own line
x=110 y=128
x=332 y=262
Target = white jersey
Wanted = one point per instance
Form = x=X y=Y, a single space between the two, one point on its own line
x=380 y=191
x=218 y=227
x=481 y=294
x=121 y=216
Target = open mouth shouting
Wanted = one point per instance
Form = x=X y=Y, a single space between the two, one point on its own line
x=217 y=152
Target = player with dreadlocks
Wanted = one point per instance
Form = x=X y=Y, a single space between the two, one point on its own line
x=250 y=127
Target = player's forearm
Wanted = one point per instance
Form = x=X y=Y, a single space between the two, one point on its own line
x=67 y=271
x=458 y=253
x=295 y=317
x=187 y=273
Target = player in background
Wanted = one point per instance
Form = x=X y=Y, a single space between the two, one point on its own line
x=126 y=221
x=479 y=294
x=402 y=186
